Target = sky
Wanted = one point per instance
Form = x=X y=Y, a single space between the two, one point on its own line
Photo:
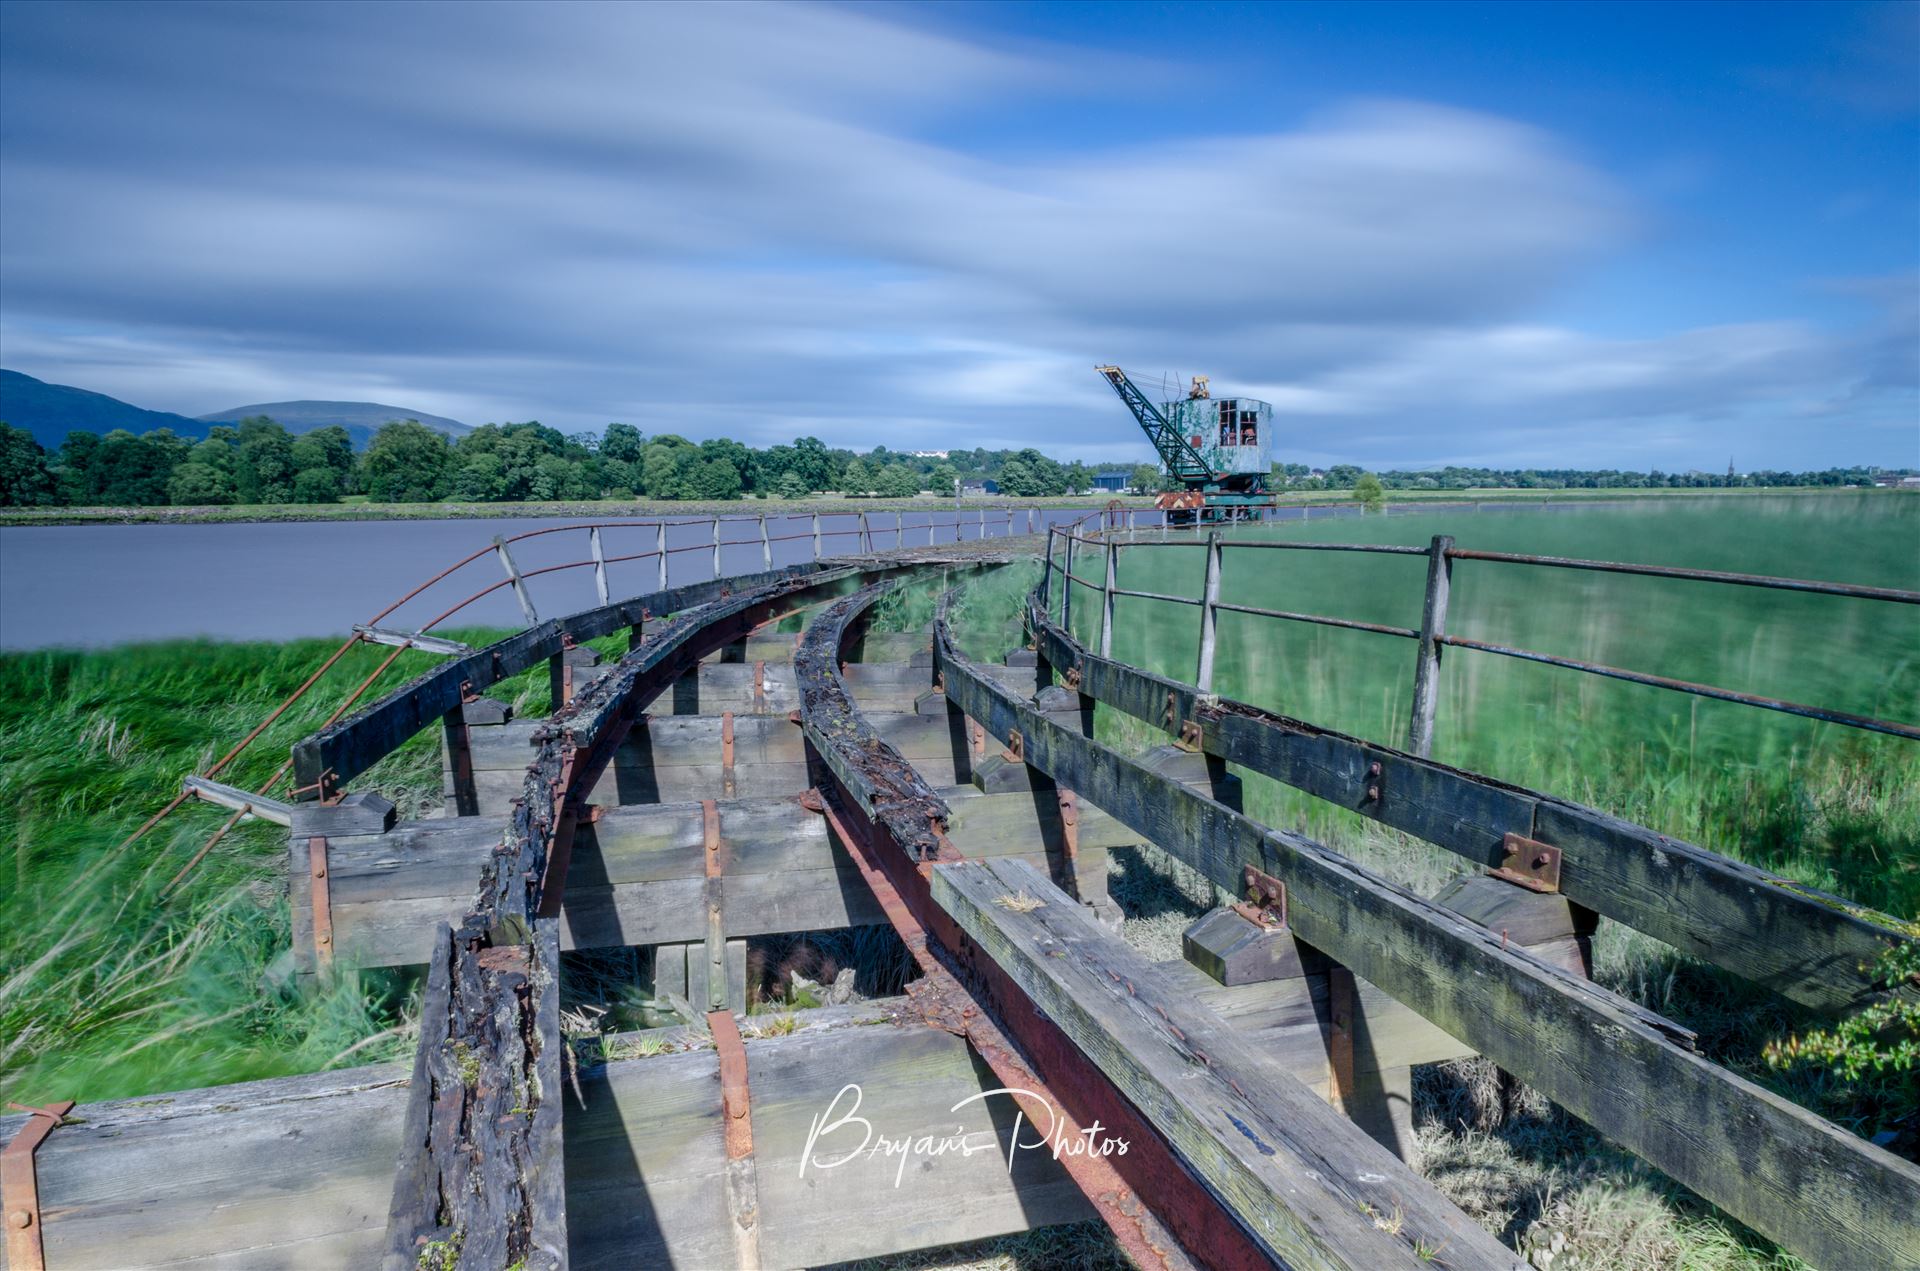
x=1618 y=235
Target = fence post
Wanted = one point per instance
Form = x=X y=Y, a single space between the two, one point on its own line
x=899 y=530
x=599 y=567
x=660 y=550
x=816 y=536
x=1046 y=578
x=1209 y=596
x=519 y=585
x=1066 y=590
x=1426 y=665
x=866 y=533
x=716 y=549
x=766 y=545
x=1106 y=600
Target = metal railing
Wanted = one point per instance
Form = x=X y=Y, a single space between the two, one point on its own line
x=1431 y=636
x=979 y=523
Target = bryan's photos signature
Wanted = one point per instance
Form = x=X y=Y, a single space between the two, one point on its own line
x=840 y=1135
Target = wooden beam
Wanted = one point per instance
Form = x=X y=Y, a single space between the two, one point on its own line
x=255 y=805
x=638 y=874
x=1810 y=946
x=1795 y=1177
x=412 y=640
x=1310 y=1187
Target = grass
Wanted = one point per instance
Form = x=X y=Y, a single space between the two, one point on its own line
x=356 y=508
x=110 y=986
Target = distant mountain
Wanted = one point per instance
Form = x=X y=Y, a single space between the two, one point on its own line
x=360 y=419
x=51 y=411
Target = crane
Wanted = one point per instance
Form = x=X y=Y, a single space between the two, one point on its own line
x=1215 y=449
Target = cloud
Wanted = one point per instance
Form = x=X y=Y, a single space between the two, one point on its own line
x=737 y=220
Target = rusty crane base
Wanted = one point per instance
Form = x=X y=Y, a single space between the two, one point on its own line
x=509 y=1153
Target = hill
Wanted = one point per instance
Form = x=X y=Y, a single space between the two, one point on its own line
x=51 y=411
x=360 y=419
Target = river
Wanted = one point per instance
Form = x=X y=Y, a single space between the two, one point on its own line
x=75 y=586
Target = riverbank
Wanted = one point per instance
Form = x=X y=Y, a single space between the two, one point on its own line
x=825 y=504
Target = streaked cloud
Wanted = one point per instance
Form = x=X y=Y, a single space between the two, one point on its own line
x=733 y=220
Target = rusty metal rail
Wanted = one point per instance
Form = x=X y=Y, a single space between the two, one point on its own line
x=1432 y=635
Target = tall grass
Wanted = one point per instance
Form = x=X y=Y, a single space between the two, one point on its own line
x=110 y=985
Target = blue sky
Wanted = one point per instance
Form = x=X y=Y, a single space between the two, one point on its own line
x=1628 y=235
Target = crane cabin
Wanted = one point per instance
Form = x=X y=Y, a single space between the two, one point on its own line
x=1230 y=433
x=1217 y=450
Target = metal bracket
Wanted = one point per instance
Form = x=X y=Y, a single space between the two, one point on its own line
x=1266 y=902
x=20 y=1185
x=726 y=755
x=760 y=686
x=320 y=902
x=1069 y=822
x=1189 y=735
x=1529 y=863
x=1016 y=745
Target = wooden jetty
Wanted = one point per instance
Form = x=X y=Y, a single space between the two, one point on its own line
x=723 y=780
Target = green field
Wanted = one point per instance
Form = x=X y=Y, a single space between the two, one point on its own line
x=110 y=987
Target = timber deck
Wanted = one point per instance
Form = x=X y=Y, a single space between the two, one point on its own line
x=725 y=780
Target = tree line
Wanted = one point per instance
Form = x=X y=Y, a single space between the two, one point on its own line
x=259 y=462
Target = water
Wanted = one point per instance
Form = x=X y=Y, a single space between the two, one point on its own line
x=94 y=585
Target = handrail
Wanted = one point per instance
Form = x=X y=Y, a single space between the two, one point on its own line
x=1431 y=635
x=862 y=533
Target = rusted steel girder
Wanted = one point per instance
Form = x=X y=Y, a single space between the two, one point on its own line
x=894 y=825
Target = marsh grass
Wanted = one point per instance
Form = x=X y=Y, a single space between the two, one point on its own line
x=110 y=986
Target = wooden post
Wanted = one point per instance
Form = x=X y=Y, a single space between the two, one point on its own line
x=716 y=548
x=1426 y=665
x=1209 y=596
x=899 y=530
x=1046 y=577
x=1030 y=521
x=599 y=566
x=466 y=797
x=519 y=585
x=1066 y=589
x=1106 y=600
x=766 y=545
x=660 y=550
x=866 y=533
x=816 y=536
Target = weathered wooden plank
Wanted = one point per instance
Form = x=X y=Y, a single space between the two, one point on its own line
x=226 y=796
x=411 y=640
x=768 y=689
x=1305 y=1182
x=636 y=875
x=1802 y=1181
x=295 y=1173
x=1809 y=946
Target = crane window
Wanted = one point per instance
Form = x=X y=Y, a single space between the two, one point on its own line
x=1249 y=427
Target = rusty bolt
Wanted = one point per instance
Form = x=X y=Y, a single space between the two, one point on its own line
x=19 y=1218
x=1540 y=862
x=1373 y=794
x=326 y=937
x=1373 y=769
